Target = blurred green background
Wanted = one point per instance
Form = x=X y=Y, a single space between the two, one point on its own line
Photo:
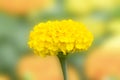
x=101 y=17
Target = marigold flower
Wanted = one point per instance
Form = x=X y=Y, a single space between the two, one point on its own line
x=64 y=36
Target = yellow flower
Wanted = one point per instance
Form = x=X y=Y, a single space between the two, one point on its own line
x=64 y=36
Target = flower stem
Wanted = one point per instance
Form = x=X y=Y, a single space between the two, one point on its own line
x=63 y=62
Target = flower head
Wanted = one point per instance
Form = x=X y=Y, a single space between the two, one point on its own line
x=64 y=36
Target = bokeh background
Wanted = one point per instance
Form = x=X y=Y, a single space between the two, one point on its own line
x=100 y=62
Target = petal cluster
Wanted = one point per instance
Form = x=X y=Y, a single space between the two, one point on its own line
x=64 y=36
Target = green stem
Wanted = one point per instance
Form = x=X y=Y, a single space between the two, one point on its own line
x=63 y=66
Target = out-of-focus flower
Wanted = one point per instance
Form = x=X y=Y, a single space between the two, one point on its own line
x=36 y=68
x=114 y=26
x=105 y=60
x=24 y=6
x=64 y=36
x=47 y=68
x=87 y=6
x=96 y=26
x=78 y=6
x=103 y=4
x=4 y=77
